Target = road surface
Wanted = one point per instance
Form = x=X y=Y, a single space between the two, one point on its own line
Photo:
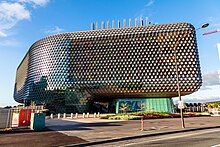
x=204 y=138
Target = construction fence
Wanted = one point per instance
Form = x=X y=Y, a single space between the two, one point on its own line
x=17 y=117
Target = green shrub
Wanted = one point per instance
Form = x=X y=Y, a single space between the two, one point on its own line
x=150 y=115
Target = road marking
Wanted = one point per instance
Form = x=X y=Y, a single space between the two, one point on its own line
x=173 y=137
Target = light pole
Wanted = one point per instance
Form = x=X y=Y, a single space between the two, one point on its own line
x=177 y=79
x=176 y=67
x=177 y=73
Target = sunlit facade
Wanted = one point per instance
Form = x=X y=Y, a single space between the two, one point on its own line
x=132 y=66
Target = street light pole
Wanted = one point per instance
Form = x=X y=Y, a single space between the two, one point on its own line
x=177 y=72
x=177 y=79
x=176 y=69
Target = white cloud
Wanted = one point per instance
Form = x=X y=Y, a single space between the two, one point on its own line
x=214 y=22
x=211 y=93
x=209 y=90
x=210 y=18
x=35 y=2
x=146 y=10
x=150 y=2
x=9 y=42
x=54 y=30
x=216 y=25
x=2 y=34
x=211 y=78
x=11 y=12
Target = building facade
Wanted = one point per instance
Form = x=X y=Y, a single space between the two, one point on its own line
x=125 y=68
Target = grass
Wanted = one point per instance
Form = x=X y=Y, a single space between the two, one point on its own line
x=151 y=115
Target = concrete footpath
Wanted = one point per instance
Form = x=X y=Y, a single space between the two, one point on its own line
x=97 y=131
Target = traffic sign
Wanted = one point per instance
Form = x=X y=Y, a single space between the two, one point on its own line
x=181 y=104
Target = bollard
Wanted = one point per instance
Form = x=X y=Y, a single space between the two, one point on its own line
x=98 y=115
x=51 y=116
x=142 y=123
x=64 y=115
x=58 y=116
x=83 y=115
x=94 y=115
x=76 y=115
x=71 y=115
x=87 y=115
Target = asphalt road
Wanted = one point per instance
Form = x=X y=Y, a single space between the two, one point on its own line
x=204 y=138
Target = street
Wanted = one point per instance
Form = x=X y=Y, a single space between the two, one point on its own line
x=101 y=132
x=98 y=129
x=204 y=138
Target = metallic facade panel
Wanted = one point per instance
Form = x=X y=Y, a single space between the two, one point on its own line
x=135 y=61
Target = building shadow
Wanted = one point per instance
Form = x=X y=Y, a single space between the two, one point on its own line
x=64 y=125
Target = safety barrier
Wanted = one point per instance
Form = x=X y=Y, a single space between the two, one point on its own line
x=5 y=118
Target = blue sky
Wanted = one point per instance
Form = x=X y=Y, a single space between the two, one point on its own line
x=22 y=22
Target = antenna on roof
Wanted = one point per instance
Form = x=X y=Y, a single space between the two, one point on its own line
x=92 y=27
x=129 y=23
x=141 y=22
x=135 y=22
x=96 y=26
x=146 y=21
x=119 y=25
x=124 y=23
x=102 y=25
x=113 y=23
x=108 y=24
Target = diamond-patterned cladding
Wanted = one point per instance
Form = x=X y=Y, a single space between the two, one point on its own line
x=136 y=61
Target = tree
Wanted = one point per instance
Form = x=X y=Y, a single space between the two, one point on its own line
x=8 y=107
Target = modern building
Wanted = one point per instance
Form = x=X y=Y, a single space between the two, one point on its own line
x=120 y=69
